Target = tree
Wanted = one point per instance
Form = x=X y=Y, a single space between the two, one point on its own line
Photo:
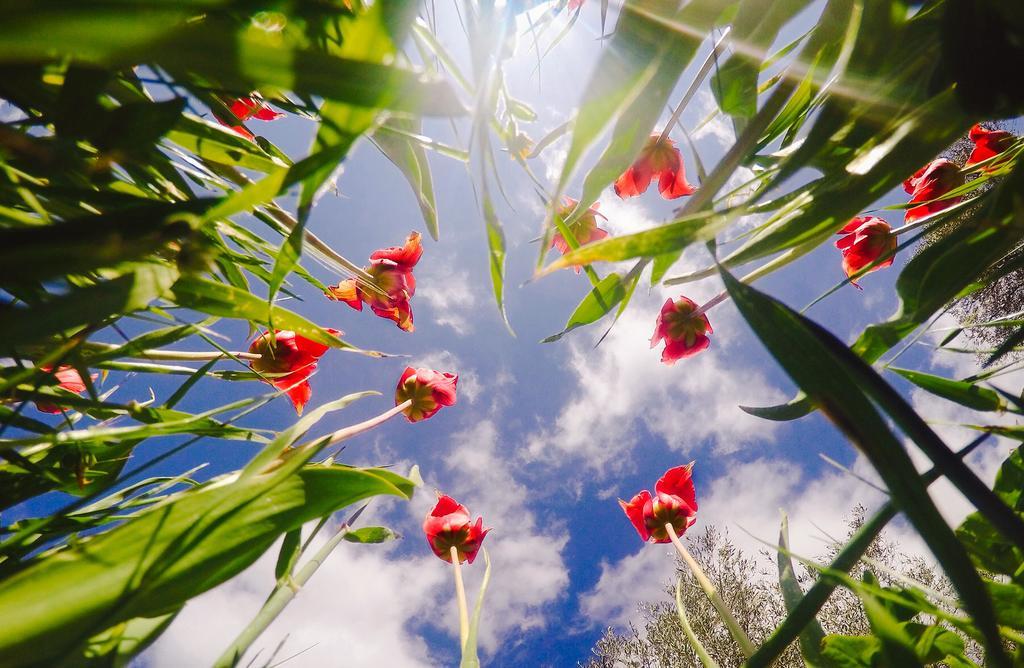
x=1002 y=296
x=749 y=586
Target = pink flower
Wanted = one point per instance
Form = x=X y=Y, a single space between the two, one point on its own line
x=246 y=108
x=574 y=5
x=429 y=390
x=660 y=158
x=289 y=360
x=988 y=144
x=867 y=239
x=674 y=502
x=932 y=182
x=392 y=287
x=684 y=333
x=584 y=229
x=68 y=379
x=450 y=525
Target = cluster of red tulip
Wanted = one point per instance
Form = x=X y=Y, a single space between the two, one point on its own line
x=391 y=283
x=866 y=240
x=869 y=240
x=681 y=323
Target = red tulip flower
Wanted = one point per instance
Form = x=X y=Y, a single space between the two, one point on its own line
x=674 y=502
x=867 y=239
x=660 y=158
x=684 y=333
x=246 y=108
x=429 y=390
x=392 y=287
x=405 y=257
x=289 y=360
x=450 y=525
x=584 y=228
x=988 y=144
x=69 y=379
x=929 y=183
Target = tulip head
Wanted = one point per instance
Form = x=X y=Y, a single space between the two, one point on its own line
x=428 y=390
x=685 y=334
x=449 y=525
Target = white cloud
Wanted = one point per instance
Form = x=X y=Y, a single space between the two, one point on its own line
x=370 y=605
x=717 y=128
x=450 y=296
x=528 y=570
x=359 y=605
x=624 y=389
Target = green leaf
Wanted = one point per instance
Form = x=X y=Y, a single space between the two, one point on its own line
x=755 y=28
x=287 y=437
x=1009 y=602
x=241 y=60
x=932 y=644
x=411 y=160
x=793 y=410
x=648 y=243
x=168 y=554
x=695 y=642
x=223 y=300
x=470 y=659
x=961 y=392
x=897 y=647
x=496 y=252
x=851 y=651
x=285 y=260
x=132 y=291
x=115 y=647
x=368 y=535
x=933 y=278
x=812 y=634
x=992 y=550
x=289 y=553
x=87 y=243
x=598 y=303
x=217 y=143
x=815 y=361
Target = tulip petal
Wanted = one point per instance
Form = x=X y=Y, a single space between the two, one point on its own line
x=673 y=184
x=346 y=291
x=635 y=512
x=678 y=482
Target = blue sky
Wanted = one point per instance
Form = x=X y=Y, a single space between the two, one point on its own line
x=544 y=437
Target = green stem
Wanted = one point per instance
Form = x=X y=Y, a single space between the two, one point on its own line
x=460 y=596
x=705 y=69
x=734 y=627
x=695 y=643
x=282 y=595
x=183 y=355
x=346 y=433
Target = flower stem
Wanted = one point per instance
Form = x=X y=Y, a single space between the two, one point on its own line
x=763 y=270
x=346 y=433
x=711 y=303
x=282 y=595
x=735 y=629
x=705 y=69
x=460 y=596
x=695 y=643
x=913 y=226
